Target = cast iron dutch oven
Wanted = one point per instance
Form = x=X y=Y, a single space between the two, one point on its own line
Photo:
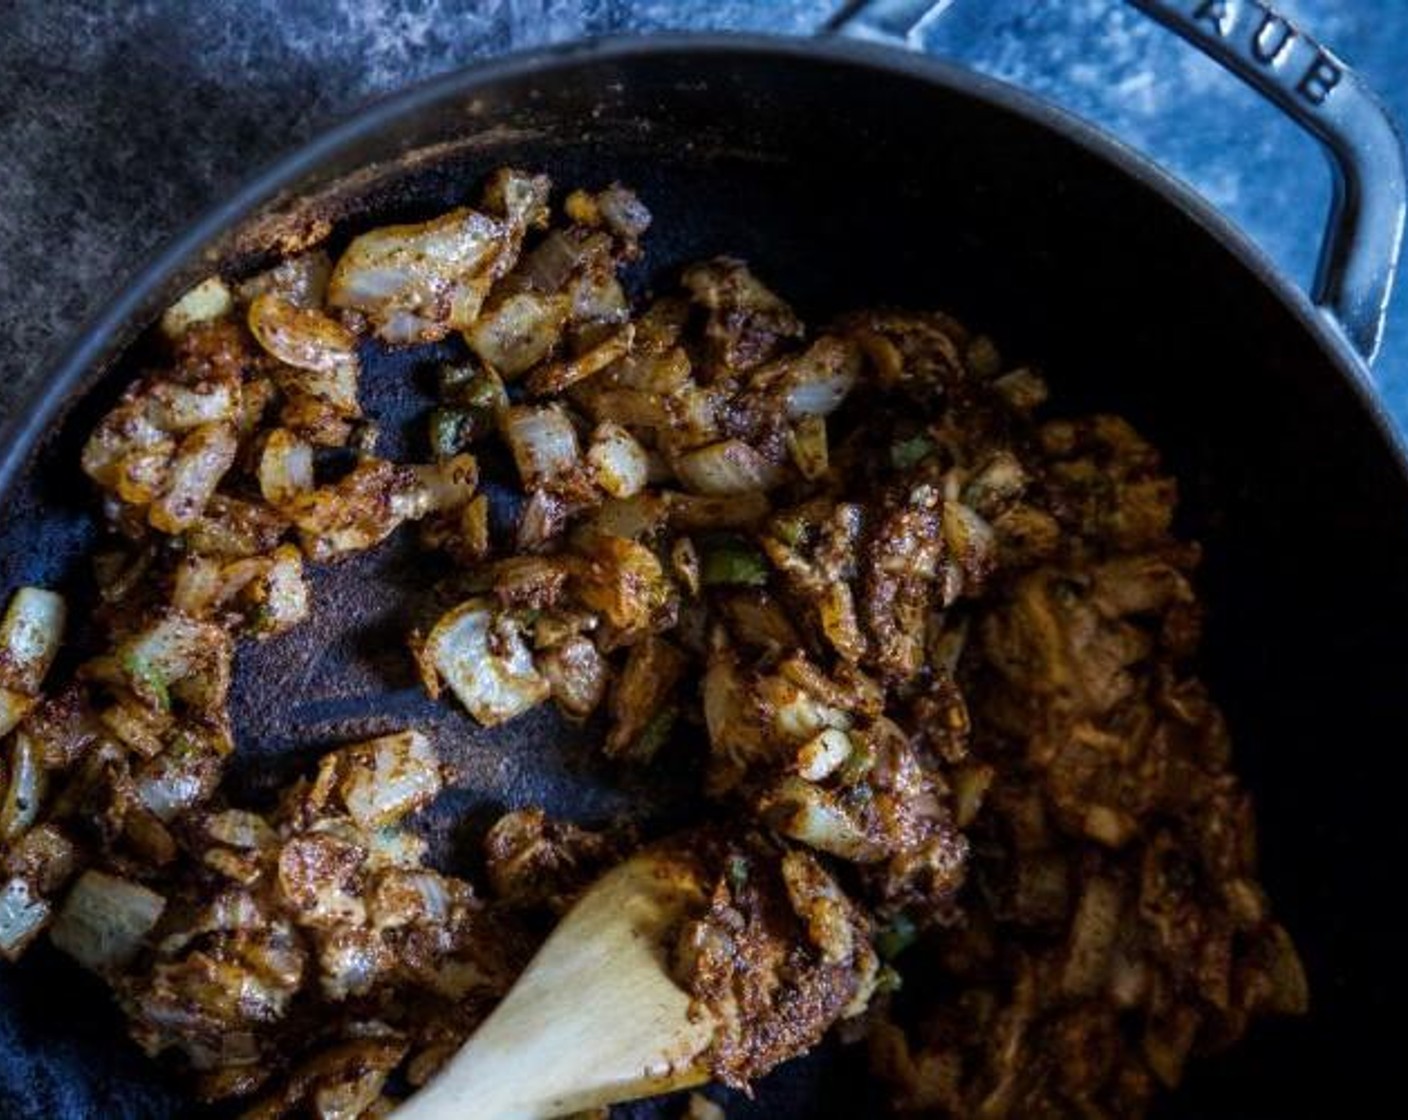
x=849 y=173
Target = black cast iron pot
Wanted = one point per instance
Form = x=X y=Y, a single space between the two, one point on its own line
x=851 y=173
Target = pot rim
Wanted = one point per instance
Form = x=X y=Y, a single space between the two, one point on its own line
x=23 y=431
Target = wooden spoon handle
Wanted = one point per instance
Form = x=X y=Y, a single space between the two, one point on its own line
x=595 y=1019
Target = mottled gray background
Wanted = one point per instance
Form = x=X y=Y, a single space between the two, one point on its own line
x=119 y=122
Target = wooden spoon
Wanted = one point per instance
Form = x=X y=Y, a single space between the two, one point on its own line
x=594 y=1020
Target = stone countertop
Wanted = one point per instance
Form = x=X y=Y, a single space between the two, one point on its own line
x=121 y=121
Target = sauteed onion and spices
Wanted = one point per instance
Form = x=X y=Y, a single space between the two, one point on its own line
x=930 y=646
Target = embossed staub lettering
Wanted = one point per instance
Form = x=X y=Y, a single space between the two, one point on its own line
x=1217 y=13
x=1272 y=40
x=1317 y=82
x=1269 y=41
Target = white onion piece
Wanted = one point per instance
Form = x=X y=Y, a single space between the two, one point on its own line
x=201 y=462
x=390 y=847
x=808 y=814
x=24 y=796
x=543 y=442
x=179 y=408
x=104 y=920
x=285 y=467
x=22 y=915
x=577 y=674
x=238 y=828
x=1094 y=929
x=482 y=657
x=285 y=601
x=520 y=332
x=167 y=786
x=30 y=634
x=300 y=336
x=386 y=778
x=633 y=518
x=818 y=901
x=208 y=300
x=819 y=380
x=416 y=283
x=620 y=465
x=808 y=447
x=153 y=660
x=797 y=714
x=14 y=706
x=822 y=755
x=446 y=485
x=302 y=280
x=402 y=898
x=727 y=467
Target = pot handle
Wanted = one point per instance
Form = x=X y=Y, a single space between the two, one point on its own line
x=1364 y=230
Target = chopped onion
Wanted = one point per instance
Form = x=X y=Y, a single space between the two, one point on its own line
x=136 y=726
x=210 y=299
x=622 y=580
x=201 y=462
x=577 y=674
x=14 y=706
x=1023 y=389
x=30 y=633
x=301 y=337
x=543 y=442
x=174 y=781
x=386 y=778
x=281 y=596
x=727 y=467
x=619 y=463
x=623 y=211
x=693 y=512
x=558 y=376
x=358 y=511
x=822 y=755
x=640 y=515
x=544 y=516
x=22 y=915
x=700 y=1107
x=285 y=467
x=24 y=796
x=179 y=408
x=972 y=544
x=816 y=382
x=231 y=527
x=520 y=332
x=402 y=898
x=820 y=903
x=240 y=829
x=175 y=647
x=301 y=280
x=104 y=920
x=481 y=655
x=642 y=716
x=199 y=587
x=1092 y=938
x=808 y=814
x=448 y=484
x=797 y=714
x=416 y=283
x=806 y=443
